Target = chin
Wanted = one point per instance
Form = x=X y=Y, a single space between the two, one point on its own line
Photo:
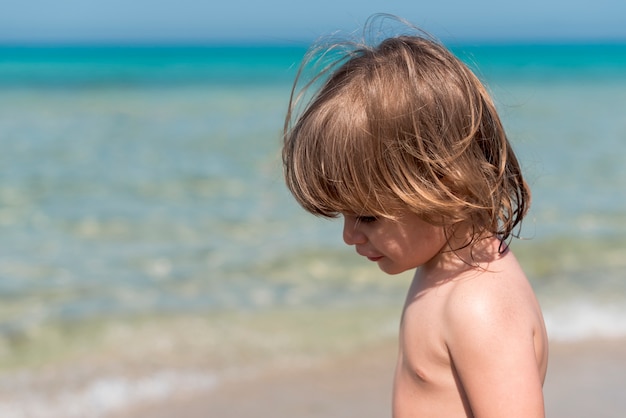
x=393 y=270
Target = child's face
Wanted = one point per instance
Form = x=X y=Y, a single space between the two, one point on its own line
x=396 y=245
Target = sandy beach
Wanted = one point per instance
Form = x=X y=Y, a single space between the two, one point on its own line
x=585 y=379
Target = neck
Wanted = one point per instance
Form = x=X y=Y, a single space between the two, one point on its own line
x=458 y=257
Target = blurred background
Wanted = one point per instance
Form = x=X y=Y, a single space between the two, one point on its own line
x=149 y=246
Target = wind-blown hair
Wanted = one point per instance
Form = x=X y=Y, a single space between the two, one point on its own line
x=402 y=125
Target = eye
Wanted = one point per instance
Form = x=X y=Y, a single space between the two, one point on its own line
x=367 y=219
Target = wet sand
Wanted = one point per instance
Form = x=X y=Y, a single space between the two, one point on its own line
x=585 y=379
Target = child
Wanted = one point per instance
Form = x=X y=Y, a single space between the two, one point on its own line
x=403 y=141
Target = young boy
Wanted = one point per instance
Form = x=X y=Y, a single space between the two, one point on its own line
x=404 y=142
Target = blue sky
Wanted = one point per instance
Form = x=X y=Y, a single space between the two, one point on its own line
x=287 y=21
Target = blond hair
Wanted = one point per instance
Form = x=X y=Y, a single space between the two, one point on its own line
x=403 y=125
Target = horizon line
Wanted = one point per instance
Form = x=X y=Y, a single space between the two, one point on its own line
x=295 y=43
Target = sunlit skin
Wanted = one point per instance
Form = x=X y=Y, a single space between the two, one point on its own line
x=396 y=245
x=472 y=339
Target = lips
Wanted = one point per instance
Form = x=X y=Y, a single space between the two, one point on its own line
x=370 y=257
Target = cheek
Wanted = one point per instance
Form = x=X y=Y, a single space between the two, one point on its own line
x=436 y=236
x=425 y=243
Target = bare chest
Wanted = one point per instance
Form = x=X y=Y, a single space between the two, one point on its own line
x=425 y=383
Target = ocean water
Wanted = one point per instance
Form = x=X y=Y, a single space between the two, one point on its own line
x=149 y=245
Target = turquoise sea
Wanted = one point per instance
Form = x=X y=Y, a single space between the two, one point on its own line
x=149 y=245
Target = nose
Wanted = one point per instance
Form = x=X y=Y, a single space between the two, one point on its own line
x=351 y=233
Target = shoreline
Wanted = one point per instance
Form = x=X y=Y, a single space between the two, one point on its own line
x=584 y=379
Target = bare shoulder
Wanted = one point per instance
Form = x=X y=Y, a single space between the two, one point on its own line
x=496 y=296
x=494 y=331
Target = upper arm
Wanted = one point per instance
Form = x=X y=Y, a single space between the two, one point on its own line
x=490 y=337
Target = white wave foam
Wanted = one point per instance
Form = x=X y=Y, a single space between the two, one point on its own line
x=585 y=319
x=104 y=396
